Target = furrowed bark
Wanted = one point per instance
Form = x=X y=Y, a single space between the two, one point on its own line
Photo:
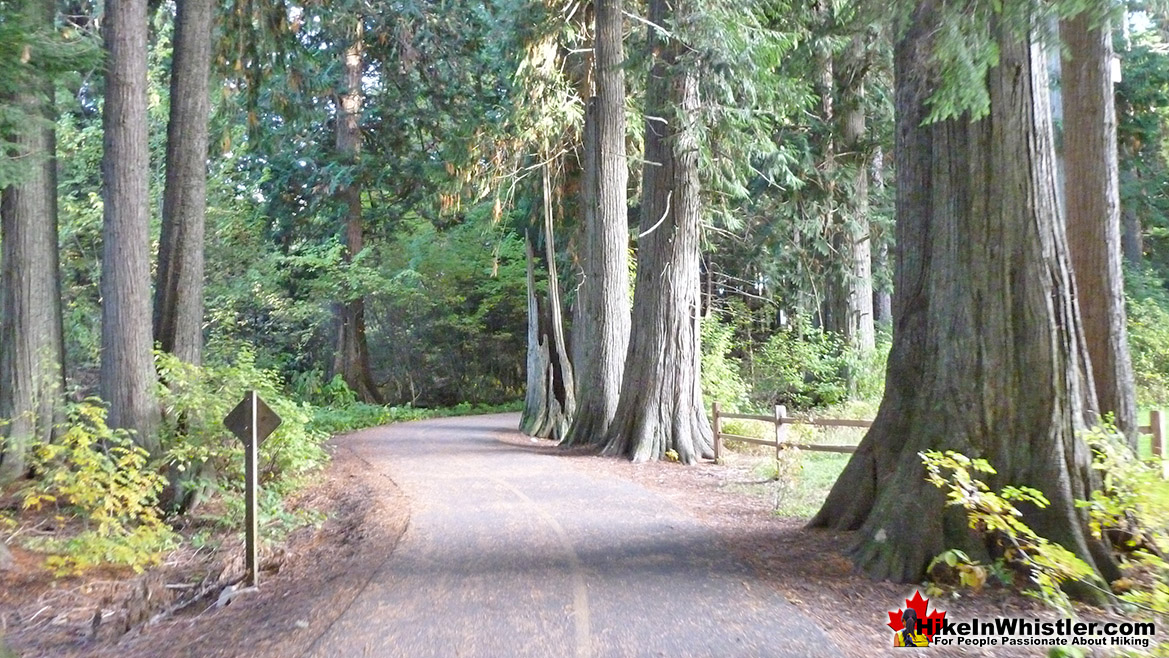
x=351 y=351
x=606 y=320
x=988 y=356
x=178 y=293
x=127 y=377
x=661 y=407
x=32 y=375
x=1092 y=192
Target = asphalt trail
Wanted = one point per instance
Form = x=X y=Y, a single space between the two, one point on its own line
x=513 y=553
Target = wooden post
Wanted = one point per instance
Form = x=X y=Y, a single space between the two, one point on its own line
x=717 y=427
x=780 y=413
x=251 y=481
x=1157 y=429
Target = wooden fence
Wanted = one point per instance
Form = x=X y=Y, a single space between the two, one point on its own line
x=1155 y=429
x=780 y=419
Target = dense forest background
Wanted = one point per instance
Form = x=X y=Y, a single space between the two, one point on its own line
x=365 y=209
x=460 y=105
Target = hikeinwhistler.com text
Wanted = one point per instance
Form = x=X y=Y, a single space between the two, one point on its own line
x=1016 y=631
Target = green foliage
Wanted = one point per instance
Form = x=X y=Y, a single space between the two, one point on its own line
x=1044 y=564
x=1131 y=512
x=801 y=366
x=195 y=400
x=33 y=54
x=958 y=569
x=722 y=381
x=98 y=477
x=359 y=415
x=448 y=322
x=1148 y=341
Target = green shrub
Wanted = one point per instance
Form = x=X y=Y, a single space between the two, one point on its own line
x=801 y=367
x=722 y=381
x=1148 y=339
x=100 y=478
x=196 y=399
x=1131 y=512
x=994 y=516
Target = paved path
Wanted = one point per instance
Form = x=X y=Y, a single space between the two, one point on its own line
x=513 y=553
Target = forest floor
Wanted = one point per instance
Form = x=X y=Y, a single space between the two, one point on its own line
x=320 y=574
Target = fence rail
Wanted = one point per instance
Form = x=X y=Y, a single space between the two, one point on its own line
x=1155 y=429
x=780 y=419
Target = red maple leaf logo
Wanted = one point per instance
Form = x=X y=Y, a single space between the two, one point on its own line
x=931 y=622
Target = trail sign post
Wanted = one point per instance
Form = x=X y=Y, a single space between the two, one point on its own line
x=252 y=421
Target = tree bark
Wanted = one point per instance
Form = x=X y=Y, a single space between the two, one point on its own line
x=32 y=377
x=661 y=407
x=605 y=324
x=551 y=400
x=127 y=378
x=1132 y=239
x=882 y=294
x=1092 y=192
x=988 y=356
x=178 y=292
x=853 y=209
x=351 y=351
x=582 y=312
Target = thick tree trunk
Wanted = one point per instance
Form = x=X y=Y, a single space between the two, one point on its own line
x=605 y=324
x=178 y=293
x=31 y=349
x=882 y=299
x=351 y=351
x=987 y=355
x=661 y=407
x=882 y=290
x=1132 y=239
x=582 y=311
x=858 y=322
x=1092 y=192
x=127 y=377
x=551 y=400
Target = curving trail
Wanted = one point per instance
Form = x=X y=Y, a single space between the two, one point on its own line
x=513 y=552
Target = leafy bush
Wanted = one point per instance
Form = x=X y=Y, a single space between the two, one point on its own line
x=722 y=381
x=100 y=478
x=802 y=367
x=359 y=415
x=1046 y=565
x=1148 y=339
x=196 y=399
x=1131 y=512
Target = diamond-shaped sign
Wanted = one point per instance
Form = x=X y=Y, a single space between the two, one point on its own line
x=239 y=421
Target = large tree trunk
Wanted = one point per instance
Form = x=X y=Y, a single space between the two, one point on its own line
x=882 y=292
x=857 y=286
x=551 y=398
x=604 y=325
x=1092 y=192
x=31 y=349
x=661 y=406
x=987 y=356
x=1132 y=239
x=351 y=351
x=127 y=377
x=582 y=310
x=178 y=293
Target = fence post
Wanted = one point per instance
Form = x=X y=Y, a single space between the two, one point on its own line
x=780 y=414
x=717 y=427
x=1157 y=429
